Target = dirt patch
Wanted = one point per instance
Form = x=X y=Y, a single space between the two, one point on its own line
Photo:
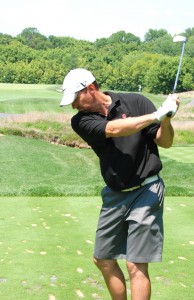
x=183 y=125
x=189 y=94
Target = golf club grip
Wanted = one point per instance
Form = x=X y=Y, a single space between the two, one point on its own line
x=169 y=114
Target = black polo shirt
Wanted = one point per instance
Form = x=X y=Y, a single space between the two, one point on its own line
x=124 y=161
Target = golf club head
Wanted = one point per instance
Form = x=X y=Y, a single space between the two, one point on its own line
x=179 y=38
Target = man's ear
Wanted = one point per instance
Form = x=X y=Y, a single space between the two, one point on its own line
x=91 y=89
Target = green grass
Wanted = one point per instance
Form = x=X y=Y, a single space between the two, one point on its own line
x=34 y=111
x=45 y=243
x=46 y=248
x=11 y=92
x=36 y=168
x=185 y=136
x=47 y=239
x=25 y=98
x=181 y=154
x=174 y=278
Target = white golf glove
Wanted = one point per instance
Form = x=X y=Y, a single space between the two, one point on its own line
x=167 y=109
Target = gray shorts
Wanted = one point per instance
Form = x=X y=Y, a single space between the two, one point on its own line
x=130 y=225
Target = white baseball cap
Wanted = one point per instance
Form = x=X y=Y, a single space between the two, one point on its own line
x=75 y=81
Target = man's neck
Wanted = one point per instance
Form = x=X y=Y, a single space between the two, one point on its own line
x=105 y=102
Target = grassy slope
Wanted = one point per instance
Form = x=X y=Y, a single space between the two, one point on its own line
x=37 y=168
x=33 y=167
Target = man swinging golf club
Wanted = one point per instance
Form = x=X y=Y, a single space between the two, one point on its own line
x=124 y=130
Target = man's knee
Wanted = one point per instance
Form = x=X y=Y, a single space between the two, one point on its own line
x=137 y=269
x=105 y=265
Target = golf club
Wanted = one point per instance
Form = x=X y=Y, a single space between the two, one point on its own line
x=182 y=39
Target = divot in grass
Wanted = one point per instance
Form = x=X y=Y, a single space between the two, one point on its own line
x=164 y=280
x=182 y=258
x=79 y=270
x=61 y=248
x=96 y=296
x=53 y=280
x=183 y=285
x=92 y=282
x=80 y=294
x=3 y=280
x=46 y=226
x=52 y=297
x=171 y=262
x=24 y=283
x=89 y=242
x=168 y=208
x=29 y=251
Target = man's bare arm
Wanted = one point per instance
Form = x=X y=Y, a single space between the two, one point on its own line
x=128 y=126
x=165 y=134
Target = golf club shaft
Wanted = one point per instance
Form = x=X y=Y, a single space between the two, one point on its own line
x=178 y=72
x=179 y=68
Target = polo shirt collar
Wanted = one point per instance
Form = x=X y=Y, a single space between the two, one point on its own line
x=115 y=100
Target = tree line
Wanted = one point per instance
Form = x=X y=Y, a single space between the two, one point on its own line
x=120 y=62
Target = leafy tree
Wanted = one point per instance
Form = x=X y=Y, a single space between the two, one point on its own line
x=31 y=37
x=162 y=45
x=188 y=82
x=120 y=62
x=189 y=48
x=154 y=34
x=123 y=37
x=5 y=39
x=189 y=32
x=61 y=42
x=15 y=51
x=101 y=42
x=7 y=72
x=160 y=77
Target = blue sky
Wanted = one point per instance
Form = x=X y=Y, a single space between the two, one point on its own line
x=91 y=19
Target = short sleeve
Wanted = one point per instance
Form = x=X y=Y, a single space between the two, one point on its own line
x=91 y=128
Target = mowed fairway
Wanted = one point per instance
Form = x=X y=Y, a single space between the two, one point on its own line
x=46 y=247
